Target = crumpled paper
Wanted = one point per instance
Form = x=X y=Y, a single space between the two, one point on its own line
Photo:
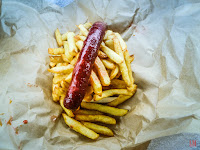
x=163 y=36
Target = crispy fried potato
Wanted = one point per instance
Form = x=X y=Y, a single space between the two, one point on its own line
x=87 y=98
x=120 y=99
x=118 y=84
x=61 y=64
x=64 y=36
x=96 y=118
x=122 y=43
x=123 y=68
x=105 y=109
x=80 y=37
x=112 y=92
x=110 y=43
x=78 y=127
x=59 y=78
x=87 y=25
x=79 y=44
x=69 y=78
x=55 y=96
x=118 y=75
x=83 y=30
x=68 y=111
x=71 y=42
x=131 y=58
x=98 y=129
x=67 y=56
x=114 y=72
x=112 y=55
x=108 y=64
x=108 y=32
x=62 y=69
x=103 y=75
x=58 y=37
x=102 y=54
x=56 y=59
x=87 y=112
x=56 y=51
x=52 y=64
x=95 y=83
x=74 y=60
x=64 y=85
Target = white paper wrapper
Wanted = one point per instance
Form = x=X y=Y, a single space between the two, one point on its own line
x=163 y=36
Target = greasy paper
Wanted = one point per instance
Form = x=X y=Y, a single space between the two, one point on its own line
x=163 y=36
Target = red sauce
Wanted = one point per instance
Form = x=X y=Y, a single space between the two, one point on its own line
x=25 y=121
x=10 y=121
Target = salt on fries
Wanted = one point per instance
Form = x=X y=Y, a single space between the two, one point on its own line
x=111 y=76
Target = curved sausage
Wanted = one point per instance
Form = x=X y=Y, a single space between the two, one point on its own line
x=84 y=66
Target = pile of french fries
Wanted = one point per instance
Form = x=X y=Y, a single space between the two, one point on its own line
x=111 y=76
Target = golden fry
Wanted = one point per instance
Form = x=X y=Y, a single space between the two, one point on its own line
x=131 y=58
x=87 y=112
x=95 y=83
x=78 y=127
x=118 y=84
x=120 y=99
x=56 y=59
x=87 y=25
x=62 y=69
x=79 y=44
x=105 y=109
x=103 y=75
x=96 y=118
x=58 y=37
x=102 y=54
x=122 y=43
x=110 y=44
x=114 y=72
x=69 y=78
x=108 y=64
x=71 y=42
x=123 y=68
x=83 y=30
x=112 y=92
x=52 y=64
x=74 y=60
x=64 y=37
x=112 y=55
x=67 y=56
x=56 y=51
x=108 y=32
x=98 y=129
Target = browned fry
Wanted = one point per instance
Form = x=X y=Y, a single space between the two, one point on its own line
x=120 y=99
x=68 y=111
x=131 y=58
x=102 y=54
x=96 y=84
x=52 y=64
x=56 y=51
x=58 y=38
x=96 y=118
x=108 y=64
x=87 y=112
x=117 y=84
x=114 y=72
x=103 y=75
x=56 y=59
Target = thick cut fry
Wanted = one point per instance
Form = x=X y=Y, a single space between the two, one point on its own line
x=78 y=127
x=105 y=109
x=112 y=55
x=83 y=30
x=98 y=129
x=62 y=69
x=122 y=43
x=108 y=32
x=64 y=85
x=58 y=37
x=87 y=112
x=103 y=75
x=69 y=78
x=120 y=99
x=131 y=58
x=102 y=54
x=87 y=98
x=108 y=64
x=118 y=75
x=110 y=44
x=56 y=51
x=80 y=37
x=74 y=60
x=114 y=72
x=87 y=25
x=89 y=90
x=68 y=111
x=112 y=92
x=67 y=57
x=56 y=59
x=96 y=118
x=61 y=64
x=64 y=36
x=59 y=78
x=71 y=42
x=55 y=96
x=123 y=68
x=118 y=84
x=79 y=44
x=52 y=64
x=95 y=83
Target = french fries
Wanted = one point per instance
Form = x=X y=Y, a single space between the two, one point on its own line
x=96 y=118
x=78 y=127
x=111 y=76
x=98 y=129
x=105 y=109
